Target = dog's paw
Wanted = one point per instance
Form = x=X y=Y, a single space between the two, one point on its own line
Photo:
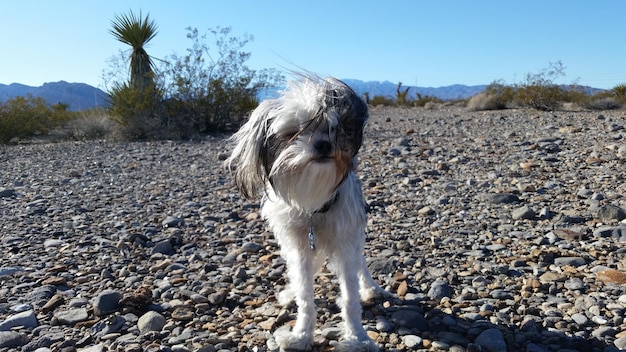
x=354 y=345
x=371 y=293
x=291 y=342
x=286 y=296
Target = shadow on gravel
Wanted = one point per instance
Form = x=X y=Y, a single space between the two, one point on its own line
x=409 y=325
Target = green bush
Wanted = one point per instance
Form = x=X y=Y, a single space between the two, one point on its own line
x=422 y=100
x=619 y=92
x=539 y=91
x=23 y=117
x=381 y=100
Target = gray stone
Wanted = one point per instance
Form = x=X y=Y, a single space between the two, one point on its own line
x=523 y=212
x=611 y=212
x=107 y=302
x=26 y=319
x=620 y=343
x=410 y=319
x=331 y=333
x=439 y=289
x=12 y=339
x=251 y=247
x=412 y=341
x=172 y=221
x=163 y=247
x=572 y=261
x=7 y=193
x=574 y=284
x=491 y=340
x=503 y=198
x=151 y=321
x=9 y=270
x=383 y=266
x=72 y=316
x=580 y=319
x=501 y=294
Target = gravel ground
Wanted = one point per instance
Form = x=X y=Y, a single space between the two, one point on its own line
x=495 y=231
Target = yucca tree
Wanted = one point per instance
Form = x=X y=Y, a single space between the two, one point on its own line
x=136 y=32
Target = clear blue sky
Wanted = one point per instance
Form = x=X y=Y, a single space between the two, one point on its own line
x=428 y=43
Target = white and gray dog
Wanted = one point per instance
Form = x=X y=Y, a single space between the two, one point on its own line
x=301 y=151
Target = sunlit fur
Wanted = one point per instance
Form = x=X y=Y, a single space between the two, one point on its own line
x=299 y=152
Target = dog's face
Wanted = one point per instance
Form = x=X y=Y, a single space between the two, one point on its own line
x=302 y=144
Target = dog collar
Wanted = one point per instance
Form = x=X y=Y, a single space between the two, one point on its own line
x=326 y=207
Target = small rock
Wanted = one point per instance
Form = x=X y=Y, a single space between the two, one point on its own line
x=411 y=341
x=163 y=247
x=151 y=321
x=72 y=316
x=439 y=289
x=524 y=212
x=410 y=319
x=331 y=333
x=26 y=319
x=503 y=198
x=12 y=339
x=7 y=193
x=611 y=212
x=172 y=221
x=491 y=340
x=571 y=261
x=107 y=302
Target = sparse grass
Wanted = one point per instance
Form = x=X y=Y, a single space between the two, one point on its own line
x=88 y=125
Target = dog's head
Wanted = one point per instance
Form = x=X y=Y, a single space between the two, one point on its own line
x=302 y=144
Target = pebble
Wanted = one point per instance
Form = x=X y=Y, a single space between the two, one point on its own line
x=491 y=340
x=26 y=319
x=151 y=321
x=105 y=248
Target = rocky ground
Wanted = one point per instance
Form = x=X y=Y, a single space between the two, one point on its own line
x=495 y=231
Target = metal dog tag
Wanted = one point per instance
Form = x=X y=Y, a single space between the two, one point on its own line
x=311 y=238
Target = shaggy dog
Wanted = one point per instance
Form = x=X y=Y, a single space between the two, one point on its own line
x=300 y=150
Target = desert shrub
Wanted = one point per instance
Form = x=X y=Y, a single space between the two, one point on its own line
x=539 y=91
x=601 y=103
x=431 y=105
x=401 y=95
x=620 y=93
x=381 y=100
x=422 y=100
x=88 y=125
x=23 y=117
x=482 y=101
x=211 y=88
x=138 y=112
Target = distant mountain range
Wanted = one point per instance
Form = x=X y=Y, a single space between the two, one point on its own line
x=78 y=96
x=81 y=96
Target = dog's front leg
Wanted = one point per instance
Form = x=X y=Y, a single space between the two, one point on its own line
x=354 y=336
x=300 y=274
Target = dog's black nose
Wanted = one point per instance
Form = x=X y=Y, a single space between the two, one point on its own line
x=323 y=147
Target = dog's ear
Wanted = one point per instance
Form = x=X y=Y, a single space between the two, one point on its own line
x=352 y=112
x=250 y=151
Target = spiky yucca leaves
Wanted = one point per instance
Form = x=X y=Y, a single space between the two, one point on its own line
x=620 y=93
x=136 y=31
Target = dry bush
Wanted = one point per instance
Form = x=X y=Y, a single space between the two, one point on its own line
x=89 y=125
x=602 y=103
x=482 y=101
